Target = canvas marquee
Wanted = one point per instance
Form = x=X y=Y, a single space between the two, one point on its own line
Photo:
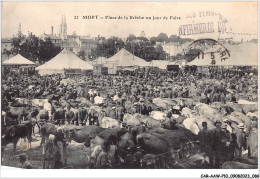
x=245 y=54
x=65 y=60
x=18 y=60
x=123 y=58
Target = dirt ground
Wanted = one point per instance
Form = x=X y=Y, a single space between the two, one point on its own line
x=77 y=154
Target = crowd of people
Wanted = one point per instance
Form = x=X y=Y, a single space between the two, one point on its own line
x=131 y=93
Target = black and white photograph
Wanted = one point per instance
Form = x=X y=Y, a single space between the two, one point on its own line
x=129 y=85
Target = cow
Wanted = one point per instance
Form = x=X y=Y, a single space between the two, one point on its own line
x=17 y=113
x=208 y=111
x=108 y=122
x=131 y=119
x=47 y=129
x=14 y=133
x=85 y=134
x=32 y=117
x=125 y=141
x=114 y=132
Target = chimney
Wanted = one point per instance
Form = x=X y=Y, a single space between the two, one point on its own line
x=51 y=30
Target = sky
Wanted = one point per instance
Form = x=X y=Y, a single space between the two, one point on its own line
x=38 y=17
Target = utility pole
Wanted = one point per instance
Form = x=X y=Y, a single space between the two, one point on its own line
x=133 y=50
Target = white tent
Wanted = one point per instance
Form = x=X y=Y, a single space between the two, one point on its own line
x=123 y=58
x=18 y=60
x=245 y=54
x=65 y=60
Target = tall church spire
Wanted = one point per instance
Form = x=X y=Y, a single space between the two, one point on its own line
x=63 y=28
x=20 y=29
x=65 y=24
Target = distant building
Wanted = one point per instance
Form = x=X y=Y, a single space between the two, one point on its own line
x=226 y=40
x=173 y=48
x=72 y=42
x=6 y=44
x=54 y=39
x=75 y=42
x=87 y=44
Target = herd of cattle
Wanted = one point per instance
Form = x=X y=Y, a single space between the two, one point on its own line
x=163 y=145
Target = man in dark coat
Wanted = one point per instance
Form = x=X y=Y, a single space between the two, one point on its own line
x=142 y=109
x=205 y=141
x=69 y=115
x=112 y=113
x=241 y=139
x=82 y=115
x=216 y=138
x=60 y=142
x=224 y=139
x=93 y=117
x=59 y=116
x=43 y=114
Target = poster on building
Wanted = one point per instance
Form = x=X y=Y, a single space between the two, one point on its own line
x=143 y=86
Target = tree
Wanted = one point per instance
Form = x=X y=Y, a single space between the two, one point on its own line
x=81 y=54
x=27 y=47
x=107 y=48
x=131 y=37
x=33 y=48
x=143 y=39
x=174 y=38
x=100 y=39
x=146 y=50
x=7 y=52
x=153 y=40
x=177 y=39
x=17 y=43
x=47 y=50
x=162 y=37
x=192 y=54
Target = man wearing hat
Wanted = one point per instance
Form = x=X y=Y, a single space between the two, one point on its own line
x=59 y=116
x=176 y=109
x=249 y=127
x=216 y=143
x=43 y=113
x=241 y=139
x=134 y=108
x=142 y=109
x=93 y=117
x=119 y=112
x=48 y=153
x=102 y=114
x=112 y=113
x=225 y=139
x=82 y=115
x=60 y=142
x=47 y=106
x=69 y=115
x=252 y=143
x=205 y=141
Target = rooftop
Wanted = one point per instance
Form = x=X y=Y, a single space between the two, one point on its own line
x=53 y=37
x=88 y=41
x=6 y=40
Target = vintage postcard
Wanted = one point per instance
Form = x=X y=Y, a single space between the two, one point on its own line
x=130 y=85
